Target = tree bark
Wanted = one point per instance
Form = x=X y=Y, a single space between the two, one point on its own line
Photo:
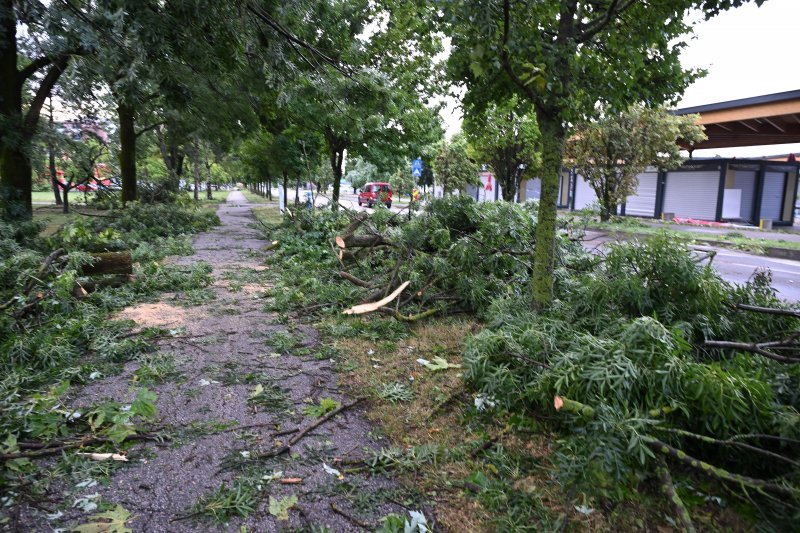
x=285 y=193
x=14 y=170
x=65 y=204
x=336 y=153
x=127 y=152
x=553 y=138
x=196 y=170
x=51 y=156
x=109 y=263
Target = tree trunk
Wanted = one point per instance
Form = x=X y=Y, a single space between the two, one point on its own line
x=196 y=165
x=285 y=186
x=269 y=188
x=336 y=155
x=509 y=185
x=65 y=205
x=109 y=263
x=553 y=138
x=297 y=191
x=54 y=178
x=51 y=160
x=15 y=171
x=127 y=152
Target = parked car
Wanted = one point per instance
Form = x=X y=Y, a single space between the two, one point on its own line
x=376 y=192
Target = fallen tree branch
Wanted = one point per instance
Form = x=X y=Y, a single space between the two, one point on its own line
x=662 y=447
x=370 y=307
x=743 y=445
x=43 y=269
x=365 y=241
x=753 y=348
x=55 y=447
x=303 y=432
x=717 y=472
x=767 y=310
x=409 y=318
x=668 y=488
x=356 y=521
x=354 y=280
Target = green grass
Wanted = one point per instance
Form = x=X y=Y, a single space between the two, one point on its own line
x=254 y=198
x=219 y=197
x=54 y=218
x=75 y=197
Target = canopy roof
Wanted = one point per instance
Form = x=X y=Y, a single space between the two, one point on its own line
x=768 y=119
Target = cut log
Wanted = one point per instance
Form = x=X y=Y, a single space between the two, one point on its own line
x=109 y=263
x=83 y=287
x=356 y=223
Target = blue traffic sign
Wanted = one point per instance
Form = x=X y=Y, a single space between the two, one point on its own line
x=416 y=167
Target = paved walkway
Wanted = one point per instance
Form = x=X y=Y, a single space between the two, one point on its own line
x=232 y=364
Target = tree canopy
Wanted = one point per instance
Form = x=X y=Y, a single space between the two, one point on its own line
x=564 y=57
x=611 y=151
x=505 y=137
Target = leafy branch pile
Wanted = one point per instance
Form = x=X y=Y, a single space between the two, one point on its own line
x=660 y=369
x=52 y=336
x=628 y=351
x=457 y=257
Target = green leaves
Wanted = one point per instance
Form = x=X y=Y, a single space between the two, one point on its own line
x=144 y=404
x=114 y=521
x=280 y=508
x=325 y=406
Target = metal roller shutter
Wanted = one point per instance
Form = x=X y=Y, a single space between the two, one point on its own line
x=643 y=202
x=692 y=194
x=533 y=189
x=584 y=194
x=772 y=197
x=745 y=180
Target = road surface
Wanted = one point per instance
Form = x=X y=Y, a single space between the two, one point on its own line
x=737 y=267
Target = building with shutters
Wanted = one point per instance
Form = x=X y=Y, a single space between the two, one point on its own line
x=716 y=189
x=722 y=190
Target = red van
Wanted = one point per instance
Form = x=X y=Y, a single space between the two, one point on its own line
x=375 y=192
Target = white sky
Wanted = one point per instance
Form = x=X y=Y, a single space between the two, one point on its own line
x=747 y=51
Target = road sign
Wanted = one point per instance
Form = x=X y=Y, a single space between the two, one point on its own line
x=416 y=167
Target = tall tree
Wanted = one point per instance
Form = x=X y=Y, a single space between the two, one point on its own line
x=506 y=138
x=565 y=56
x=453 y=169
x=360 y=172
x=369 y=101
x=612 y=150
x=37 y=41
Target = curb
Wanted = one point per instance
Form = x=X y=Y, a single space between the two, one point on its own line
x=769 y=251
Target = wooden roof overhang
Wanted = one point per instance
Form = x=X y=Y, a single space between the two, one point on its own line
x=761 y=120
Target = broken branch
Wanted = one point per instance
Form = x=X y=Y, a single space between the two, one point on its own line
x=370 y=307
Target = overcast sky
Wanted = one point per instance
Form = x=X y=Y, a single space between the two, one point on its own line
x=747 y=51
